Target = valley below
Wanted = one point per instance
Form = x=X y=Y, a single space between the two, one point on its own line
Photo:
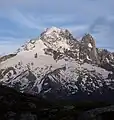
x=20 y=106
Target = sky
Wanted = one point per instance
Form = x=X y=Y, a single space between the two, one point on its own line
x=21 y=20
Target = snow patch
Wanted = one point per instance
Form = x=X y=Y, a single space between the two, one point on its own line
x=88 y=57
x=90 y=45
x=107 y=60
x=52 y=29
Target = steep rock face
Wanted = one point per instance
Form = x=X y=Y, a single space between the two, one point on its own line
x=56 y=64
x=60 y=43
x=106 y=60
x=88 y=49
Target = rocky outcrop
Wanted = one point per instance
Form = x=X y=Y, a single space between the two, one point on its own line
x=88 y=49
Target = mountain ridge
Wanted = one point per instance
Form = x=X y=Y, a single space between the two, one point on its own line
x=58 y=65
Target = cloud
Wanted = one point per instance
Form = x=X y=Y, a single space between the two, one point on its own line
x=9 y=44
x=77 y=30
x=21 y=19
x=80 y=8
x=4 y=31
x=102 y=30
x=6 y=48
x=28 y=18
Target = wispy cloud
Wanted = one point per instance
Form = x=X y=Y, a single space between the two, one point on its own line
x=77 y=30
x=102 y=29
x=36 y=22
x=6 y=48
x=21 y=19
x=12 y=33
x=28 y=18
x=9 y=44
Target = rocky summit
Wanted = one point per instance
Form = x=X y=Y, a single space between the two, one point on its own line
x=57 y=65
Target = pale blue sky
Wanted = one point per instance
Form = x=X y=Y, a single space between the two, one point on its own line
x=21 y=20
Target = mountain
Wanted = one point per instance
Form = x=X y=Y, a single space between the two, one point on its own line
x=57 y=65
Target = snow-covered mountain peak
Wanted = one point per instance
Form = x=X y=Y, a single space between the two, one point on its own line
x=53 y=38
x=55 y=32
x=57 y=39
x=57 y=64
x=52 y=30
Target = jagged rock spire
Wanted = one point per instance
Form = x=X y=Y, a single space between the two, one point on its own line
x=88 y=47
x=89 y=40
